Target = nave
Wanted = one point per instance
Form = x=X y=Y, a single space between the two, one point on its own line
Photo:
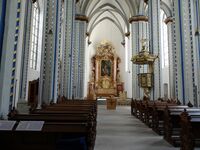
x=119 y=130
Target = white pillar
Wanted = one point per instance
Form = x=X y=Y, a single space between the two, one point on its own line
x=79 y=55
x=184 y=51
x=51 y=52
x=154 y=29
x=67 y=74
x=169 y=23
x=139 y=31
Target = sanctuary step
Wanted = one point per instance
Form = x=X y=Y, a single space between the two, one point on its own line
x=102 y=101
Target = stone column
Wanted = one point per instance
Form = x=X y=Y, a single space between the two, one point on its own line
x=9 y=61
x=196 y=12
x=2 y=23
x=79 y=55
x=67 y=58
x=25 y=51
x=184 y=51
x=51 y=52
x=154 y=39
x=169 y=23
x=139 y=31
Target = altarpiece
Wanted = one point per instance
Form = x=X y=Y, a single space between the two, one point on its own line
x=105 y=74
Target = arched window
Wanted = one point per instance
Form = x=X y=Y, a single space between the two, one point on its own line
x=164 y=40
x=34 y=36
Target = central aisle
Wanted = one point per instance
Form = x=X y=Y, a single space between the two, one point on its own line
x=118 y=130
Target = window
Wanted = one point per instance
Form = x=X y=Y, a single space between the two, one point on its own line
x=164 y=40
x=34 y=36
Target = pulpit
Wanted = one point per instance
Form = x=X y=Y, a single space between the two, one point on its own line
x=105 y=73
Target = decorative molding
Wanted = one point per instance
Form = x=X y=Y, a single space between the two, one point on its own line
x=168 y=20
x=196 y=32
x=33 y=1
x=81 y=18
x=146 y=1
x=138 y=18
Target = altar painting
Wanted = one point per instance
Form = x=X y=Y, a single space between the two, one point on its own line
x=106 y=68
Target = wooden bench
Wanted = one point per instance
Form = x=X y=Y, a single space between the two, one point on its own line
x=158 y=116
x=190 y=130
x=172 y=125
x=53 y=136
x=72 y=117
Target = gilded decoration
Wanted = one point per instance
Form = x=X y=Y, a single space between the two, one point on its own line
x=105 y=73
x=144 y=58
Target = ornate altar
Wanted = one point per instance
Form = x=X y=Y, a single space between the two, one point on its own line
x=105 y=73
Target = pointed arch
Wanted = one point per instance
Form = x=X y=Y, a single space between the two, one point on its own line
x=115 y=9
x=166 y=9
x=110 y=19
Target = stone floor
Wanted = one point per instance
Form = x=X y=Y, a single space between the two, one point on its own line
x=118 y=130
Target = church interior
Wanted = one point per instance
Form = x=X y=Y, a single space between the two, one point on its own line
x=100 y=74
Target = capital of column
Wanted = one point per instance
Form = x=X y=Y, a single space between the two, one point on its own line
x=127 y=34
x=168 y=20
x=138 y=18
x=197 y=32
x=87 y=34
x=81 y=17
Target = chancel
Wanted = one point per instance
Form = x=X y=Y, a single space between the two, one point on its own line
x=100 y=74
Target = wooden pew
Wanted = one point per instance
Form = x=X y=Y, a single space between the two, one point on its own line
x=76 y=103
x=149 y=113
x=136 y=108
x=172 y=122
x=67 y=110
x=58 y=115
x=190 y=130
x=158 y=116
x=53 y=136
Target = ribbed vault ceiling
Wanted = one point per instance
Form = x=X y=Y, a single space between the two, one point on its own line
x=117 y=12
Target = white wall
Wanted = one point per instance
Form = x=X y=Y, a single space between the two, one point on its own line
x=106 y=30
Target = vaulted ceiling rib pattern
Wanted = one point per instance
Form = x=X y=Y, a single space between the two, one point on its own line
x=116 y=11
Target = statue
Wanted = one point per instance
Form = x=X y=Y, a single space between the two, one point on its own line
x=92 y=78
x=144 y=44
x=118 y=77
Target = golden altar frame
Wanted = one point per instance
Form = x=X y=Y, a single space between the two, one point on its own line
x=105 y=74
